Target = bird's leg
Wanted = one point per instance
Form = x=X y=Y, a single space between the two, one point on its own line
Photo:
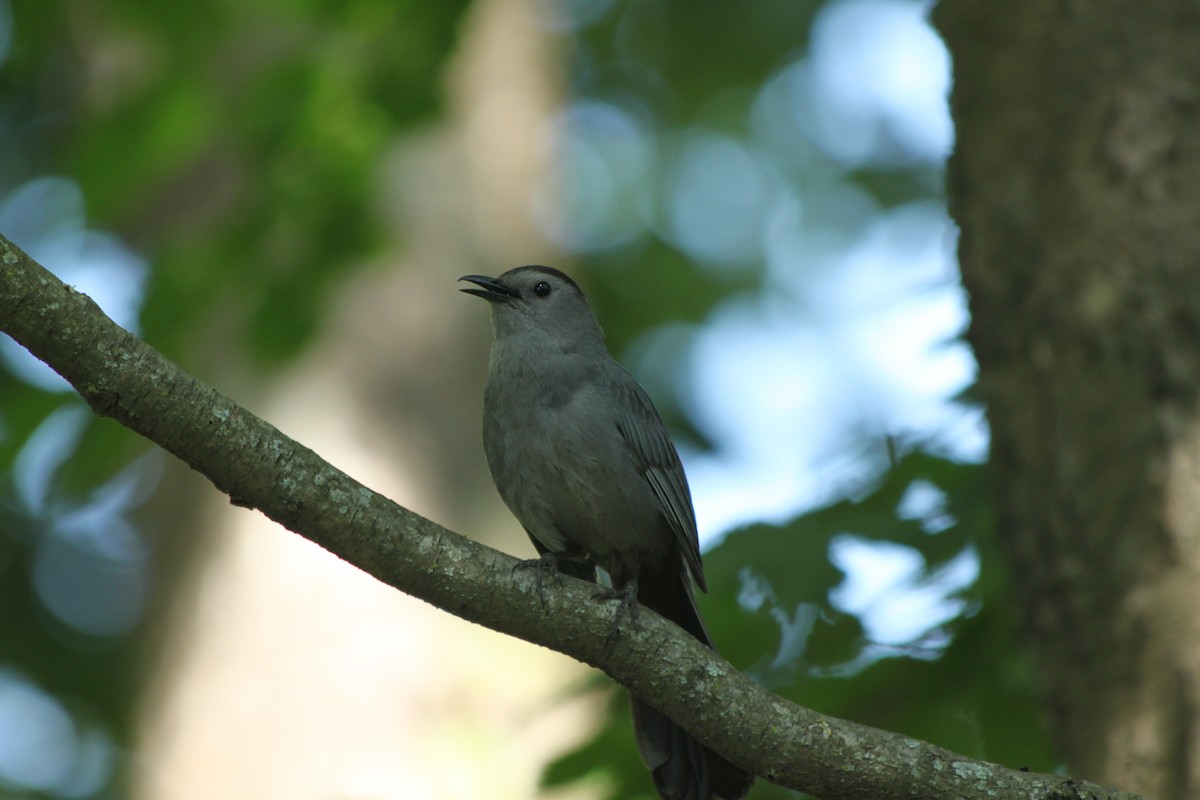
x=547 y=564
x=626 y=595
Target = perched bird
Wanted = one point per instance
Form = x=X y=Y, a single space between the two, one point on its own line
x=582 y=459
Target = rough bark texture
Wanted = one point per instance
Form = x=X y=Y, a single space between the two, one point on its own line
x=1076 y=184
x=124 y=378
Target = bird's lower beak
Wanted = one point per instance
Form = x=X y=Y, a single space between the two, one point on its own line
x=492 y=289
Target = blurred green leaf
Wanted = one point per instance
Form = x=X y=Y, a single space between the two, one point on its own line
x=237 y=146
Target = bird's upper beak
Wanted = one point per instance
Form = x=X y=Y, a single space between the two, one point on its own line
x=492 y=289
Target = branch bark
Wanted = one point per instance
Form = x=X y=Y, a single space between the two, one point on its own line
x=257 y=467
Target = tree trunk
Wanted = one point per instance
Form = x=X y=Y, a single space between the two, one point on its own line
x=1077 y=189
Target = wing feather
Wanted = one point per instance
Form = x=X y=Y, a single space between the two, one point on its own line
x=659 y=464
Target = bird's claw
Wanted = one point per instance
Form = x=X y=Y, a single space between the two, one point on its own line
x=627 y=606
x=544 y=565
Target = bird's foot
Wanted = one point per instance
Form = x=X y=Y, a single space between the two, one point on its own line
x=545 y=565
x=627 y=606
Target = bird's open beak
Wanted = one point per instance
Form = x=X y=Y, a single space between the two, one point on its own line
x=492 y=289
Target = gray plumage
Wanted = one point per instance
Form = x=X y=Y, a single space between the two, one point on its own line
x=581 y=457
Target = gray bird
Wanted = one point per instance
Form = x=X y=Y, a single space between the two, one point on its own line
x=582 y=459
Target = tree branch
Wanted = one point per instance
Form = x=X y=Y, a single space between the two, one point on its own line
x=123 y=378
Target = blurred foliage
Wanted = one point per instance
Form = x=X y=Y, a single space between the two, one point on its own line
x=235 y=144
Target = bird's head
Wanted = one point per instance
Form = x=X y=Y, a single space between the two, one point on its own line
x=539 y=305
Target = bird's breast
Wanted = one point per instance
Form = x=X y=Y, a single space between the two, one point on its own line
x=563 y=468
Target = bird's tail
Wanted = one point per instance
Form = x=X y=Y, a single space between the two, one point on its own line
x=683 y=768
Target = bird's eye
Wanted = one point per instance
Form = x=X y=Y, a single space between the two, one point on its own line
x=541 y=289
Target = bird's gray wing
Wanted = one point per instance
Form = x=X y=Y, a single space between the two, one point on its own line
x=658 y=462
